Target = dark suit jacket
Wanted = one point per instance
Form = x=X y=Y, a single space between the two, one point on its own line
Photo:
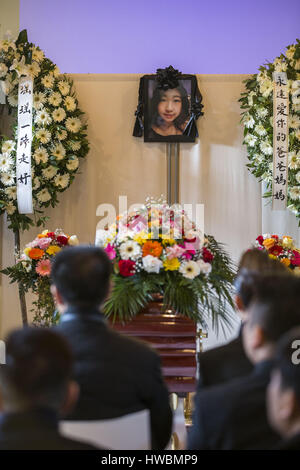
x=35 y=430
x=233 y=415
x=223 y=363
x=117 y=375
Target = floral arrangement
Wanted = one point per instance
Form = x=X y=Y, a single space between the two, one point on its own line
x=283 y=249
x=158 y=249
x=32 y=272
x=59 y=133
x=257 y=118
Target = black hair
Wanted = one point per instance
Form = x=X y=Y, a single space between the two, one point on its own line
x=185 y=106
x=275 y=305
x=38 y=367
x=253 y=264
x=287 y=361
x=81 y=275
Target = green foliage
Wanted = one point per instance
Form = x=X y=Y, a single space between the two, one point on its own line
x=203 y=298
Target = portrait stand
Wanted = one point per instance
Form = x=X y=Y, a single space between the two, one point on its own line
x=173 y=154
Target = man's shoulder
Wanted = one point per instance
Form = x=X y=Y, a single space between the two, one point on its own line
x=225 y=349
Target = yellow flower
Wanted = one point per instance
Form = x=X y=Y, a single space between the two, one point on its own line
x=272 y=256
x=285 y=261
x=171 y=264
x=141 y=237
x=27 y=250
x=53 y=249
x=269 y=243
x=287 y=242
x=166 y=241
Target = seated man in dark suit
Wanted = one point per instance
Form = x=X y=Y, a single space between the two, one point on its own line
x=224 y=363
x=35 y=388
x=283 y=394
x=233 y=415
x=117 y=375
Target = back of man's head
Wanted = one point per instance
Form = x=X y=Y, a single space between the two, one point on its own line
x=275 y=305
x=81 y=274
x=37 y=370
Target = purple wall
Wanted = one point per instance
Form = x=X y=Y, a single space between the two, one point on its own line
x=131 y=36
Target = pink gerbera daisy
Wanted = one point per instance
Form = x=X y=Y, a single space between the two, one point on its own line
x=43 y=268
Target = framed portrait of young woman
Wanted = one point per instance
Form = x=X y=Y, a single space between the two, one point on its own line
x=169 y=105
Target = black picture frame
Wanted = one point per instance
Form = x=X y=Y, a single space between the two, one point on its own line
x=149 y=116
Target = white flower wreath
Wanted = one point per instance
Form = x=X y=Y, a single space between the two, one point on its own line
x=59 y=133
x=257 y=119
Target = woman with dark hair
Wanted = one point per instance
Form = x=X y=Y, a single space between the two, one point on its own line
x=169 y=111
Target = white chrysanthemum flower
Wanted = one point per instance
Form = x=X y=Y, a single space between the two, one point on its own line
x=260 y=130
x=6 y=162
x=296 y=97
x=33 y=69
x=72 y=163
x=56 y=71
x=55 y=98
x=189 y=269
x=36 y=183
x=59 y=152
x=37 y=54
x=10 y=208
x=27 y=265
x=258 y=158
x=8 y=146
x=295 y=84
x=296 y=107
x=64 y=87
x=290 y=52
x=261 y=112
x=297 y=134
x=266 y=148
x=42 y=118
x=250 y=140
x=48 y=81
x=294 y=192
x=152 y=264
x=59 y=114
x=11 y=192
x=248 y=121
x=75 y=146
x=13 y=100
x=280 y=65
x=298 y=177
x=5 y=44
x=73 y=124
x=294 y=122
x=70 y=103
x=250 y=98
x=43 y=136
x=130 y=250
x=49 y=172
x=267 y=176
x=3 y=70
x=62 y=135
x=266 y=88
x=8 y=179
x=44 y=195
x=38 y=100
x=294 y=160
x=62 y=180
x=41 y=155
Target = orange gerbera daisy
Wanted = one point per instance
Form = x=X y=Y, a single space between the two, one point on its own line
x=152 y=248
x=35 y=253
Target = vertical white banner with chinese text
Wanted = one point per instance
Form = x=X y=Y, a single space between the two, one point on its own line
x=280 y=140
x=23 y=162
